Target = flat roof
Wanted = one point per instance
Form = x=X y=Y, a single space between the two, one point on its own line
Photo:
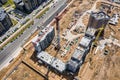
x=116 y=1
x=91 y=31
x=45 y=57
x=78 y=54
x=52 y=61
x=85 y=41
x=17 y=1
x=100 y=15
x=2 y=14
x=72 y=65
x=42 y=34
x=59 y=65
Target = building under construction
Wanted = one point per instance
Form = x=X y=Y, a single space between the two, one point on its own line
x=51 y=61
x=79 y=54
x=98 y=19
x=43 y=39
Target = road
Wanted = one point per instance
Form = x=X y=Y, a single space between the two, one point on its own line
x=18 y=25
x=7 y=54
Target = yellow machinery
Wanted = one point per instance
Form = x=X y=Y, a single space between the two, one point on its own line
x=98 y=35
x=94 y=43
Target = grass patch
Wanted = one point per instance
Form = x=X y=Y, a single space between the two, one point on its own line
x=25 y=21
x=43 y=12
x=9 y=3
x=14 y=22
x=4 y=38
x=21 y=32
x=18 y=16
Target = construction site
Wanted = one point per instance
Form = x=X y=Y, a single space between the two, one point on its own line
x=81 y=43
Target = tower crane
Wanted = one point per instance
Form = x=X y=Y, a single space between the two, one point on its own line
x=58 y=32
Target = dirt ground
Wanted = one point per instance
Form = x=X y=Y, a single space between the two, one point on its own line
x=100 y=67
x=78 y=5
x=103 y=67
x=113 y=31
x=24 y=73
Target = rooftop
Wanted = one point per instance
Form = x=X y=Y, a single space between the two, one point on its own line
x=85 y=41
x=91 y=31
x=72 y=65
x=45 y=57
x=21 y=3
x=100 y=15
x=59 y=65
x=51 y=61
x=116 y=1
x=42 y=34
x=17 y=1
x=2 y=14
x=78 y=54
x=115 y=19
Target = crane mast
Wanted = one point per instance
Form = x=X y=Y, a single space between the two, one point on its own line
x=58 y=32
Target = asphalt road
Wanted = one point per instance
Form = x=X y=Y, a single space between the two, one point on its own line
x=7 y=54
x=11 y=30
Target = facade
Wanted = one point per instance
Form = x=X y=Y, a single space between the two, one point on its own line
x=43 y=39
x=90 y=32
x=30 y=5
x=19 y=4
x=72 y=66
x=2 y=29
x=3 y=1
x=27 y=5
x=98 y=19
x=5 y=21
x=116 y=1
x=51 y=61
x=77 y=59
x=85 y=42
x=59 y=65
